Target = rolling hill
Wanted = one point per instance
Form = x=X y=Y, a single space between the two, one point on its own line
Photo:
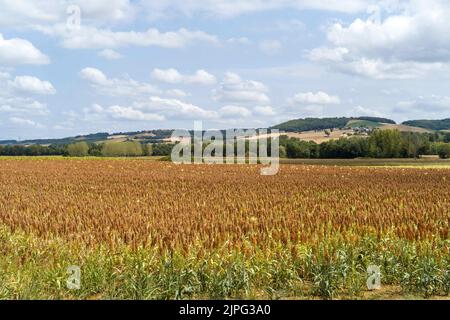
x=309 y=124
x=430 y=124
x=309 y=128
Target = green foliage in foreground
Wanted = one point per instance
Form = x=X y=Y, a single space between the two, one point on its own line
x=32 y=268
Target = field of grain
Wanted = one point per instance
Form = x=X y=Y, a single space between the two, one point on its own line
x=315 y=136
x=146 y=229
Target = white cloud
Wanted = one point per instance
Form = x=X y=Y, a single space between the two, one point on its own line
x=19 y=105
x=434 y=103
x=270 y=47
x=95 y=76
x=234 y=112
x=153 y=109
x=89 y=37
x=175 y=107
x=109 y=54
x=128 y=113
x=26 y=13
x=233 y=8
x=327 y=54
x=409 y=43
x=419 y=32
x=318 y=98
x=177 y=93
x=117 y=87
x=363 y=111
x=25 y=122
x=18 y=51
x=341 y=60
x=32 y=85
x=13 y=99
x=173 y=76
x=234 y=89
x=100 y=11
x=264 y=110
x=239 y=40
x=118 y=112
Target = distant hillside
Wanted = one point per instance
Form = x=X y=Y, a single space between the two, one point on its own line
x=430 y=124
x=292 y=126
x=152 y=136
x=309 y=124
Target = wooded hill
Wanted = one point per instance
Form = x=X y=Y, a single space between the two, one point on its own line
x=430 y=124
x=309 y=124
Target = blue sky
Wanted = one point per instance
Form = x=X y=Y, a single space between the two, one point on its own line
x=137 y=65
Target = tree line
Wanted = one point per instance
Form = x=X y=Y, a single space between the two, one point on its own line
x=84 y=149
x=380 y=144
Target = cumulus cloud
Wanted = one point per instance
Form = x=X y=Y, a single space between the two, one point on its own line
x=270 y=47
x=318 y=98
x=32 y=85
x=21 y=105
x=18 y=51
x=13 y=94
x=109 y=54
x=89 y=37
x=175 y=107
x=177 y=93
x=154 y=109
x=433 y=103
x=236 y=90
x=264 y=110
x=100 y=11
x=341 y=60
x=25 y=122
x=118 y=112
x=239 y=40
x=363 y=111
x=28 y=13
x=173 y=76
x=234 y=112
x=116 y=87
x=417 y=33
x=233 y=8
x=409 y=43
x=129 y=113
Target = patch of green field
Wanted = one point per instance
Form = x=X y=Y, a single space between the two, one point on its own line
x=34 y=268
x=363 y=124
x=414 y=163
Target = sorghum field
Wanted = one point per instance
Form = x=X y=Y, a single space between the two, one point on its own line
x=141 y=229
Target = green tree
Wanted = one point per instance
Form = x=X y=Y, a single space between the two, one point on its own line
x=79 y=149
x=385 y=144
x=148 y=149
x=122 y=149
x=297 y=149
x=443 y=150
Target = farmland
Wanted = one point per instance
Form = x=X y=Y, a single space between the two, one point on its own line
x=154 y=230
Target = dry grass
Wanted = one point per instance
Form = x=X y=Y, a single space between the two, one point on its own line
x=403 y=128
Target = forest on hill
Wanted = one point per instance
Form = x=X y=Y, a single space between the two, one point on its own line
x=309 y=124
x=443 y=124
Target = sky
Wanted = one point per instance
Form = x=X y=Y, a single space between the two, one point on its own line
x=85 y=66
